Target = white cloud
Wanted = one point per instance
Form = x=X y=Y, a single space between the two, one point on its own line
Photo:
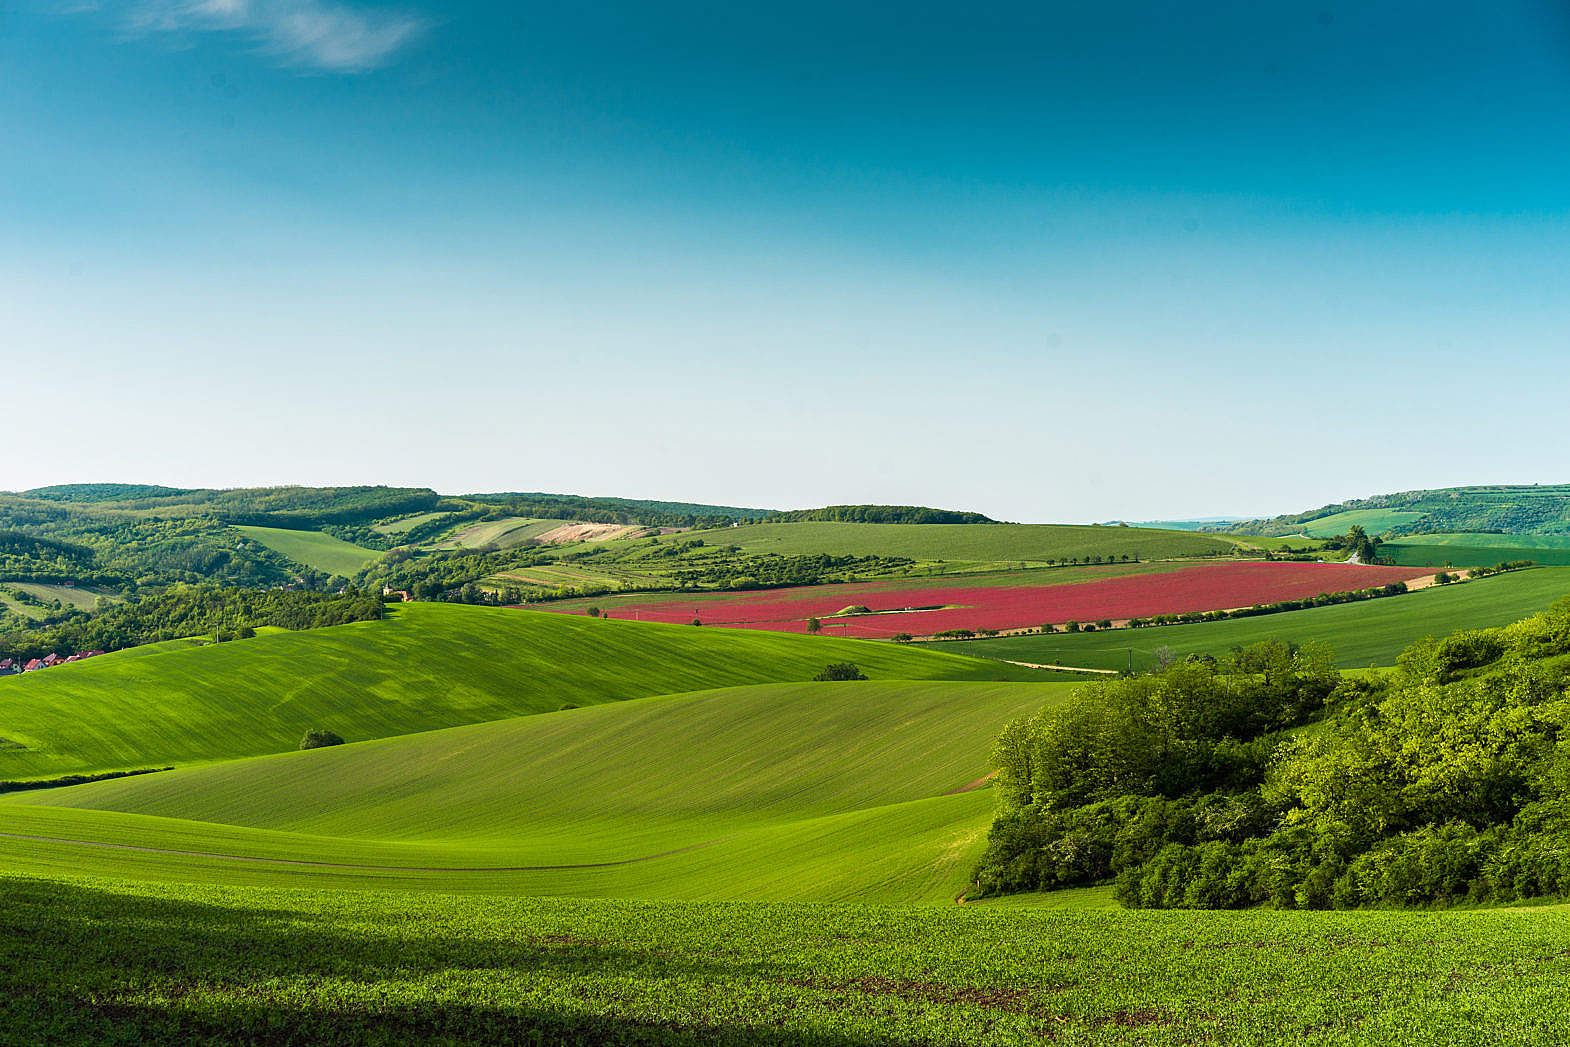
x=317 y=34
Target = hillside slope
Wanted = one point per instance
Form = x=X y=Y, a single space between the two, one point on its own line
x=781 y=789
x=424 y=667
x=1505 y=509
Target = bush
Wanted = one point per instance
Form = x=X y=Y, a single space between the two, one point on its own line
x=319 y=739
x=840 y=671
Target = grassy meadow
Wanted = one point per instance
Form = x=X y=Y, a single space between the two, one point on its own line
x=314 y=549
x=1372 y=632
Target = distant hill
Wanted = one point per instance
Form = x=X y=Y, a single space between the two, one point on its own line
x=1499 y=509
x=1208 y=523
x=895 y=514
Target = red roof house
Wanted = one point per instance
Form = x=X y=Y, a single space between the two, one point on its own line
x=31 y=665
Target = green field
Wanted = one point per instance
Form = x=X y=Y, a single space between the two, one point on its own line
x=166 y=965
x=971 y=543
x=25 y=611
x=1475 y=540
x=81 y=597
x=503 y=534
x=1418 y=554
x=1373 y=632
x=408 y=523
x=424 y=667
x=1374 y=521
x=321 y=552
x=787 y=791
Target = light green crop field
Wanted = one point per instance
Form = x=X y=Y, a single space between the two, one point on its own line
x=29 y=611
x=974 y=543
x=1374 y=521
x=1416 y=554
x=82 y=597
x=504 y=534
x=166 y=965
x=314 y=549
x=789 y=791
x=1373 y=632
x=424 y=667
x=407 y=523
x=1472 y=539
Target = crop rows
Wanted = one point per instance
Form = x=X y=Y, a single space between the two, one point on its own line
x=933 y=608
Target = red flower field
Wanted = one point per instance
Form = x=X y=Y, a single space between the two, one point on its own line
x=925 y=609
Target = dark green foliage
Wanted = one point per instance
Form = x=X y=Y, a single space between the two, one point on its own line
x=1192 y=788
x=1502 y=509
x=617 y=510
x=189 y=611
x=74 y=779
x=772 y=570
x=901 y=514
x=1356 y=542
x=841 y=671
x=319 y=739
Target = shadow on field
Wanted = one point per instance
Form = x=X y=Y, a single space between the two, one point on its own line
x=82 y=965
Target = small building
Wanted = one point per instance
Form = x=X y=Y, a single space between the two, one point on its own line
x=33 y=663
x=50 y=659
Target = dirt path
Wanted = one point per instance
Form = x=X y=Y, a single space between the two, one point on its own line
x=1062 y=668
x=973 y=786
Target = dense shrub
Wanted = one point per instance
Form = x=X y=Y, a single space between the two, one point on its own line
x=840 y=671
x=319 y=739
x=1446 y=782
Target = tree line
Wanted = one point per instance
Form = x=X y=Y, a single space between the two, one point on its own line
x=189 y=611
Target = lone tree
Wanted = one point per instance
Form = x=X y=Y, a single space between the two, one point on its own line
x=319 y=739
x=814 y=626
x=841 y=671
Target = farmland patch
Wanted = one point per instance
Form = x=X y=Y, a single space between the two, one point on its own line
x=927 y=609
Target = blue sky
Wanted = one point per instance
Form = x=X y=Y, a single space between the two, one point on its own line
x=1049 y=261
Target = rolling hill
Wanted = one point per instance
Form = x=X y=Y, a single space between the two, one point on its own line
x=1504 y=509
x=783 y=791
x=424 y=667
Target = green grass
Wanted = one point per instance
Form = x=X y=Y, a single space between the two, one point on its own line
x=972 y=543
x=424 y=667
x=101 y=962
x=1368 y=633
x=1374 y=521
x=785 y=791
x=321 y=552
